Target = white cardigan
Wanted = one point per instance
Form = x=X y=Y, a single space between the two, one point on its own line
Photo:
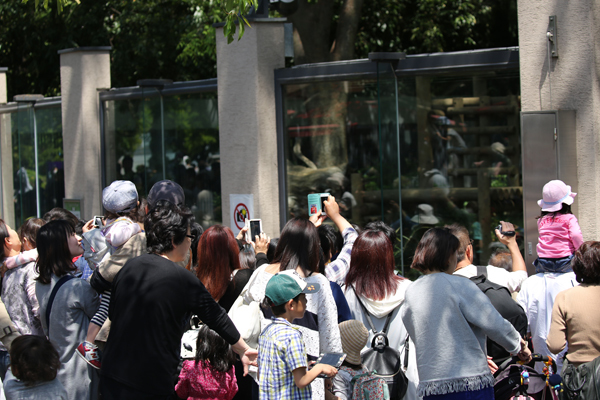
x=448 y=318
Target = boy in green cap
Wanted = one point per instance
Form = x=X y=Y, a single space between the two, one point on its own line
x=282 y=359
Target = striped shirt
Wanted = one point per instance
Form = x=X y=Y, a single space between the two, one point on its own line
x=280 y=352
x=337 y=270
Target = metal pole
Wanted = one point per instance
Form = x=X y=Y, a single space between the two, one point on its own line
x=399 y=172
x=35 y=153
x=162 y=133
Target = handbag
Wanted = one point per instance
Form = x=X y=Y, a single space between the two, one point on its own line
x=383 y=360
x=582 y=382
x=246 y=314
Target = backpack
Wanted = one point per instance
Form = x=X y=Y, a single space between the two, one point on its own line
x=369 y=386
x=384 y=360
x=509 y=309
x=95 y=247
x=366 y=385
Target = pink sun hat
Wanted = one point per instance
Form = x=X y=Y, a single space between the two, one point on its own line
x=556 y=193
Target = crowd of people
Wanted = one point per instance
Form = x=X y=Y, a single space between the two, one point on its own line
x=148 y=317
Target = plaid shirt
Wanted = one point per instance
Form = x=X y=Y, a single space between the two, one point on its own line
x=281 y=351
x=337 y=270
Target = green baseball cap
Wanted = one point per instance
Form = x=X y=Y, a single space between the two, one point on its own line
x=286 y=285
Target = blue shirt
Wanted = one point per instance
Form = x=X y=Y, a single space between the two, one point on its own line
x=281 y=351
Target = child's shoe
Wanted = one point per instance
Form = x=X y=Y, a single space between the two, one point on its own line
x=90 y=353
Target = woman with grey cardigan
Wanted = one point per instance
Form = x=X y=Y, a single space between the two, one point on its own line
x=75 y=302
x=448 y=318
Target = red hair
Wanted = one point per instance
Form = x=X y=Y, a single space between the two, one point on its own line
x=371 y=270
x=218 y=257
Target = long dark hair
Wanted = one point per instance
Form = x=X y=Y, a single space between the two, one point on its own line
x=3 y=235
x=54 y=256
x=213 y=348
x=371 y=270
x=298 y=246
x=218 y=257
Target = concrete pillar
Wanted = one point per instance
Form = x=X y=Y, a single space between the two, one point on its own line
x=83 y=71
x=3 y=92
x=569 y=82
x=247 y=127
x=7 y=205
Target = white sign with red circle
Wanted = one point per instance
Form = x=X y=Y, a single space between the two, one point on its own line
x=241 y=208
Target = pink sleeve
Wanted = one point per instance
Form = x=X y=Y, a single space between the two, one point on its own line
x=232 y=384
x=575 y=233
x=183 y=386
x=121 y=232
x=20 y=259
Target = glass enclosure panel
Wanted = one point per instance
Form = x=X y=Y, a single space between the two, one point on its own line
x=332 y=145
x=37 y=130
x=167 y=137
x=450 y=144
x=461 y=157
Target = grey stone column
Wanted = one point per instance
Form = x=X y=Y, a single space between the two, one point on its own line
x=569 y=82
x=83 y=71
x=7 y=205
x=247 y=127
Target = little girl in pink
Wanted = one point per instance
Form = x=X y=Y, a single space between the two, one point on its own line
x=559 y=231
x=211 y=375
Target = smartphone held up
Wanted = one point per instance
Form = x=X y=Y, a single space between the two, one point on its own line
x=254 y=229
x=316 y=202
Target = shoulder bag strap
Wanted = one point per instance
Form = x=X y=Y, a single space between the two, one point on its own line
x=58 y=285
x=482 y=270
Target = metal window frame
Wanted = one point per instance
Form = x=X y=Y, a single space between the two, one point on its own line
x=451 y=63
x=138 y=92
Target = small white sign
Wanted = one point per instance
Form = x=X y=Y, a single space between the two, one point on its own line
x=241 y=207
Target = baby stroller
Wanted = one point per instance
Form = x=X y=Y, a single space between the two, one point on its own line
x=516 y=381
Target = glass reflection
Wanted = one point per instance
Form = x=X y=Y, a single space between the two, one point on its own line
x=444 y=149
x=183 y=146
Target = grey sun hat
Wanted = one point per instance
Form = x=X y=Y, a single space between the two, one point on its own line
x=119 y=196
x=425 y=215
x=166 y=190
x=354 y=336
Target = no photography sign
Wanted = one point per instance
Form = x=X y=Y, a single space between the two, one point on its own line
x=241 y=207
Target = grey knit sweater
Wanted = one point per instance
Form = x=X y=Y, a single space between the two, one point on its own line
x=448 y=318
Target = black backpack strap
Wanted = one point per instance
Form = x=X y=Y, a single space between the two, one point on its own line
x=388 y=319
x=55 y=289
x=481 y=270
x=406 y=342
x=369 y=320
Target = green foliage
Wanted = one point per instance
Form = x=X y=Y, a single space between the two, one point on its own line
x=423 y=26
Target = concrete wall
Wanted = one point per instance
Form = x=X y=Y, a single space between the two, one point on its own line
x=569 y=82
x=82 y=72
x=7 y=208
x=247 y=128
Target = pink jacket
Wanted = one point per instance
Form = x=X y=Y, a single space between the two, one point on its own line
x=202 y=382
x=559 y=236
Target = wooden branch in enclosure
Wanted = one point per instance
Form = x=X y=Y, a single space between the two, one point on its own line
x=486 y=130
x=482 y=110
x=479 y=150
x=474 y=171
x=470 y=101
x=432 y=194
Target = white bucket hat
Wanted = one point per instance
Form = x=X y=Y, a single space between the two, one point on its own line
x=554 y=194
x=425 y=215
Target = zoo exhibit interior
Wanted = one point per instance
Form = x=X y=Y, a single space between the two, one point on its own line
x=427 y=140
